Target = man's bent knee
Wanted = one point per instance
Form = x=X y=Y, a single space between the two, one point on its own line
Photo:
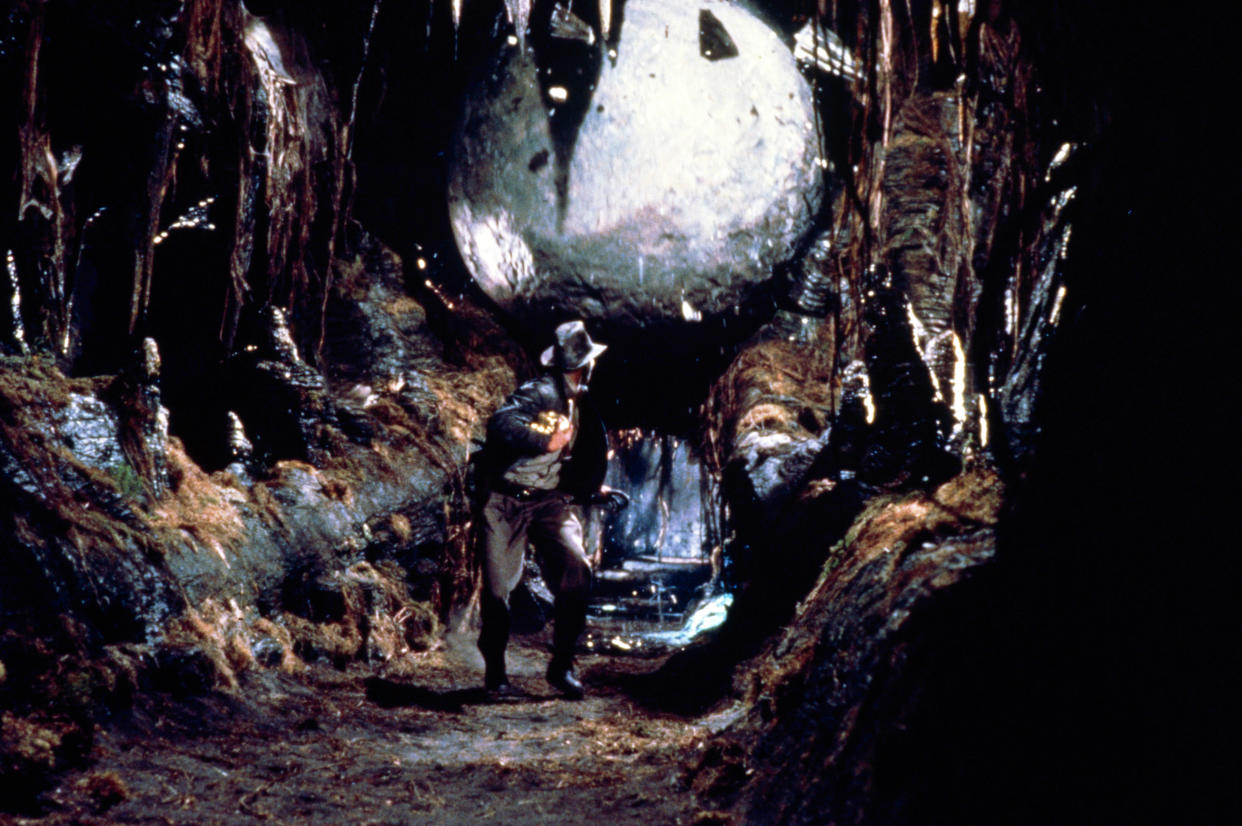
x=575 y=577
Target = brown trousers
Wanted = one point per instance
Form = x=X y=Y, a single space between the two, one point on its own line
x=552 y=524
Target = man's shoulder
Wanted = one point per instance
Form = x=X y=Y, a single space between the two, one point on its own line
x=544 y=381
x=543 y=386
x=539 y=393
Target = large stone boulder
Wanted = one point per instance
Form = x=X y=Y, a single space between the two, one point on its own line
x=690 y=173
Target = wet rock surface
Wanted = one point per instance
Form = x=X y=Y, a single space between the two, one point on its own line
x=211 y=536
x=77 y=538
x=670 y=513
x=686 y=181
x=279 y=396
x=828 y=702
x=117 y=537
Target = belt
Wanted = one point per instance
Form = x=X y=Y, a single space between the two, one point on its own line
x=520 y=493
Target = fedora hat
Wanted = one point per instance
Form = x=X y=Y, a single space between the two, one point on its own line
x=573 y=348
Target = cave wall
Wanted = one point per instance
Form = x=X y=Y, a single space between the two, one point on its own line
x=1068 y=673
x=235 y=424
x=182 y=170
x=182 y=188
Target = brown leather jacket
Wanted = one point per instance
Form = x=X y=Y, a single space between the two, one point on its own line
x=514 y=432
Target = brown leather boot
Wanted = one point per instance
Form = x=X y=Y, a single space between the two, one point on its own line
x=569 y=616
x=561 y=677
x=493 y=639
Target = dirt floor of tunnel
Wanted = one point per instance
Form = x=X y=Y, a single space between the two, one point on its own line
x=341 y=747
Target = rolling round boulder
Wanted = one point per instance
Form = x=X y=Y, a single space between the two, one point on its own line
x=658 y=183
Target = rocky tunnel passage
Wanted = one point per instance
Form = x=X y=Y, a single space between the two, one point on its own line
x=269 y=268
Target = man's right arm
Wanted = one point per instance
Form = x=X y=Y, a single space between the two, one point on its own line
x=561 y=436
x=523 y=423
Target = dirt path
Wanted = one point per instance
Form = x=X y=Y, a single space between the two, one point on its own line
x=318 y=750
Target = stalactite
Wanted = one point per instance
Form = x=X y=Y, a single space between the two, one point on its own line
x=301 y=131
x=209 y=24
x=884 y=83
x=605 y=18
x=159 y=180
x=41 y=207
x=519 y=16
x=17 y=328
x=343 y=168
